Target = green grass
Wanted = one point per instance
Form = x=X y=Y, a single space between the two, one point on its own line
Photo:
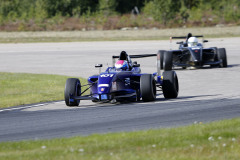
x=217 y=140
x=116 y=35
x=21 y=88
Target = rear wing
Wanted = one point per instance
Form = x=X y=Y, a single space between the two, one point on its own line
x=138 y=56
x=142 y=56
x=185 y=37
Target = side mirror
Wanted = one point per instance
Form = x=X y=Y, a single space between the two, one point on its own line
x=98 y=65
x=204 y=41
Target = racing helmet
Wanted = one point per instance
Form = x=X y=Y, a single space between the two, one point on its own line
x=192 y=41
x=121 y=64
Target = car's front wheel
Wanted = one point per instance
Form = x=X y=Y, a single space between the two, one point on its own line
x=170 y=84
x=222 y=56
x=148 y=87
x=72 y=88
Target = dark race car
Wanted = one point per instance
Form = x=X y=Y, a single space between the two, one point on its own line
x=123 y=81
x=191 y=53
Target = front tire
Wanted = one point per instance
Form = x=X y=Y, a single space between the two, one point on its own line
x=168 y=61
x=222 y=56
x=73 y=88
x=148 y=87
x=170 y=84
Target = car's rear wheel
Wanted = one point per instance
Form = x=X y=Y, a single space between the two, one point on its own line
x=170 y=84
x=148 y=87
x=222 y=56
x=168 y=61
x=72 y=88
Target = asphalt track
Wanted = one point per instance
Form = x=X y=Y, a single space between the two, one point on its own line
x=206 y=94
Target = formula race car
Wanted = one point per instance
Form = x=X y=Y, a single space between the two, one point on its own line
x=123 y=81
x=192 y=54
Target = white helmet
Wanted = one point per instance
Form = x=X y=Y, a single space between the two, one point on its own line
x=192 y=41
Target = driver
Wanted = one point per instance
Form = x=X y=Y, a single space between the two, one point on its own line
x=192 y=41
x=124 y=62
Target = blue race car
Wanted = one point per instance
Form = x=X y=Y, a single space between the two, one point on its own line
x=123 y=81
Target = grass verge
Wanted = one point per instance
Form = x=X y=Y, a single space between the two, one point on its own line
x=22 y=88
x=217 y=140
x=116 y=35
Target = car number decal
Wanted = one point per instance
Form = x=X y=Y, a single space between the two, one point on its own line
x=106 y=75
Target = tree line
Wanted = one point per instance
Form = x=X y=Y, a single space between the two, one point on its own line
x=167 y=12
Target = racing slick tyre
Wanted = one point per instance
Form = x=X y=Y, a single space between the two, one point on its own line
x=161 y=52
x=170 y=84
x=147 y=87
x=72 y=88
x=222 y=56
x=167 y=61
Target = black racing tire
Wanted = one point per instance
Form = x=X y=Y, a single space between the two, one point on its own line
x=161 y=52
x=168 y=61
x=148 y=87
x=72 y=87
x=222 y=56
x=170 y=85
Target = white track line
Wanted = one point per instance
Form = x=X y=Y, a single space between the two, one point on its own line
x=18 y=108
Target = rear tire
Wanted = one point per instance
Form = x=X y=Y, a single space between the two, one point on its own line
x=170 y=84
x=72 y=87
x=148 y=87
x=168 y=61
x=222 y=56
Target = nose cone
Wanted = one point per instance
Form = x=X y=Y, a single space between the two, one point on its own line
x=105 y=82
x=103 y=89
x=196 y=55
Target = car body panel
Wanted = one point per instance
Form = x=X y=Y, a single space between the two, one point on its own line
x=115 y=83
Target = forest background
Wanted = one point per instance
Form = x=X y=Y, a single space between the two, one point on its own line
x=68 y=15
